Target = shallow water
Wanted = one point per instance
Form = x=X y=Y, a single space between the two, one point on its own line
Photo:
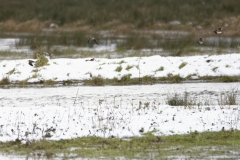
x=207 y=152
x=23 y=97
x=108 y=48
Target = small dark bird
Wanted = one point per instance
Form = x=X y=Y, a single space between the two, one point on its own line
x=218 y=31
x=92 y=39
x=48 y=55
x=209 y=60
x=92 y=59
x=200 y=41
x=31 y=62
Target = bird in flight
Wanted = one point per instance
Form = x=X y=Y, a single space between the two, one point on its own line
x=200 y=41
x=218 y=31
x=92 y=39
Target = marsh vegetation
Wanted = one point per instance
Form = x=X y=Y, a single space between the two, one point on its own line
x=130 y=25
x=102 y=13
x=194 y=145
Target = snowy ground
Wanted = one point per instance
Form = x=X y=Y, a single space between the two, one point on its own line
x=120 y=111
x=126 y=111
x=157 y=66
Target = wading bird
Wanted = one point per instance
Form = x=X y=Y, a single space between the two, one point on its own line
x=200 y=41
x=218 y=31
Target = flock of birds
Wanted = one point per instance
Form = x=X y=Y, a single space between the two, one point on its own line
x=217 y=31
x=200 y=41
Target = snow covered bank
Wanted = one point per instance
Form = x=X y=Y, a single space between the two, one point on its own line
x=156 y=66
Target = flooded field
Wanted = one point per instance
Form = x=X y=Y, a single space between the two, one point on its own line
x=67 y=96
x=164 y=43
x=212 y=152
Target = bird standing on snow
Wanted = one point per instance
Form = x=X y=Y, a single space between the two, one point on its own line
x=92 y=39
x=92 y=59
x=48 y=55
x=200 y=41
x=31 y=62
x=218 y=31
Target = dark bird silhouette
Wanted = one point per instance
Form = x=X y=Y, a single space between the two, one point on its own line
x=218 y=31
x=92 y=59
x=209 y=60
x=200 y=41
x=92 y=39
x=31 y=62
x=48 y=55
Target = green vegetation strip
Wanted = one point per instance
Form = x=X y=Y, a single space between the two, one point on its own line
x=195 y=144
x=124 y=80
x=127 y=80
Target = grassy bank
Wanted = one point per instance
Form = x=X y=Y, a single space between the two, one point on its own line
x=192 y=145
x=124 y=80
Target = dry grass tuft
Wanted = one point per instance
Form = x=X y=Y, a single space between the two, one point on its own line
x=42 y=61
x=5 y=80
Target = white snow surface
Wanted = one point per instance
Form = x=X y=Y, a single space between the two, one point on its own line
x=81 y=69
x=115 y=111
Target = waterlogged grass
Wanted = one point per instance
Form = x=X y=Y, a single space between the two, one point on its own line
x=24 y=82
x=190 y=75
x=175 y=78
x=11 y=55
x=148 y=80
x=37 y=40
x=226 y=79
x=195 y=145
x=49 y=83
x=181 y=45
x=95 y=81
x=124 y=80
x=169 y=79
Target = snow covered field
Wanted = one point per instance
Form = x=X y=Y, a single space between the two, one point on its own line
x=118 y=111
x=156 y=66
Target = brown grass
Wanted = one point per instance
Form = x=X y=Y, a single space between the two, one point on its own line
x=115 y=26
x=30 y=25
